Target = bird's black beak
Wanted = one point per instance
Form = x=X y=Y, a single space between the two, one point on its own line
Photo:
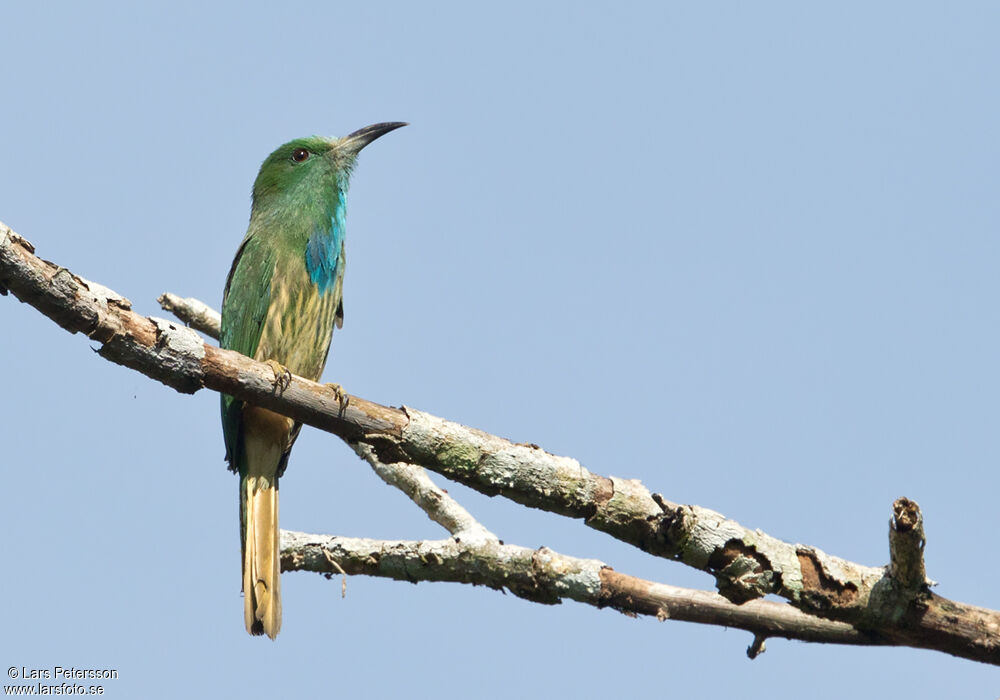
x=362 y=137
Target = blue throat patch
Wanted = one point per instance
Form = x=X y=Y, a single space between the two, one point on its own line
x=323 y=250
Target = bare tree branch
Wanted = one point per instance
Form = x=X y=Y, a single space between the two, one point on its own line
x=544 y=576
x=747 y=564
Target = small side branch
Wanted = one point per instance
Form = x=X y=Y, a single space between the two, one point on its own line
x=196 y=314
x=433 y=500
x=906 y=546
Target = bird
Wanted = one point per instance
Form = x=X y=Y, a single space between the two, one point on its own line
x=283 y=297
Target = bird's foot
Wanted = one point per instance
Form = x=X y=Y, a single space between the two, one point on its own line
x=282 y=376
x=342 y=398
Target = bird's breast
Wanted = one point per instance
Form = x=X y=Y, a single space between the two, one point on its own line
x=299 y=323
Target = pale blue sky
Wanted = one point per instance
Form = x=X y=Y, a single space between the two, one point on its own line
x=746 y=253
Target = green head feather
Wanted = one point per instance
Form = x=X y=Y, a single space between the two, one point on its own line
x=313 y=168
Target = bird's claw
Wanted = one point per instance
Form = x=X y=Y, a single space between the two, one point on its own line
x=282 y=376
x=342 y=398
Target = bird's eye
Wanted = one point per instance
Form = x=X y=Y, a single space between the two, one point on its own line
x=299 y=155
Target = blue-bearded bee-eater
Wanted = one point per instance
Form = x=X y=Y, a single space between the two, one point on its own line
x=283 y=298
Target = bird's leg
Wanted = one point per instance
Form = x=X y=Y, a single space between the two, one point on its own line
x=282 y=376
x=342 y=398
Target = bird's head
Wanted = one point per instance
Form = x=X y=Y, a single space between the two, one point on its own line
x=314 y=167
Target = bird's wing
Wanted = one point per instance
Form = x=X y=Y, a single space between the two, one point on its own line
x=244 y=309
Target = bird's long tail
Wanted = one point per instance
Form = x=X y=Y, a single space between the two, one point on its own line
x=261 y=554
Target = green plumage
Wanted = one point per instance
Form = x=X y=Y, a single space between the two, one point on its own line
x=245 y=307
x=282 y=300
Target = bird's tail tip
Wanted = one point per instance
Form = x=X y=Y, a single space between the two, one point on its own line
x=261 y=559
